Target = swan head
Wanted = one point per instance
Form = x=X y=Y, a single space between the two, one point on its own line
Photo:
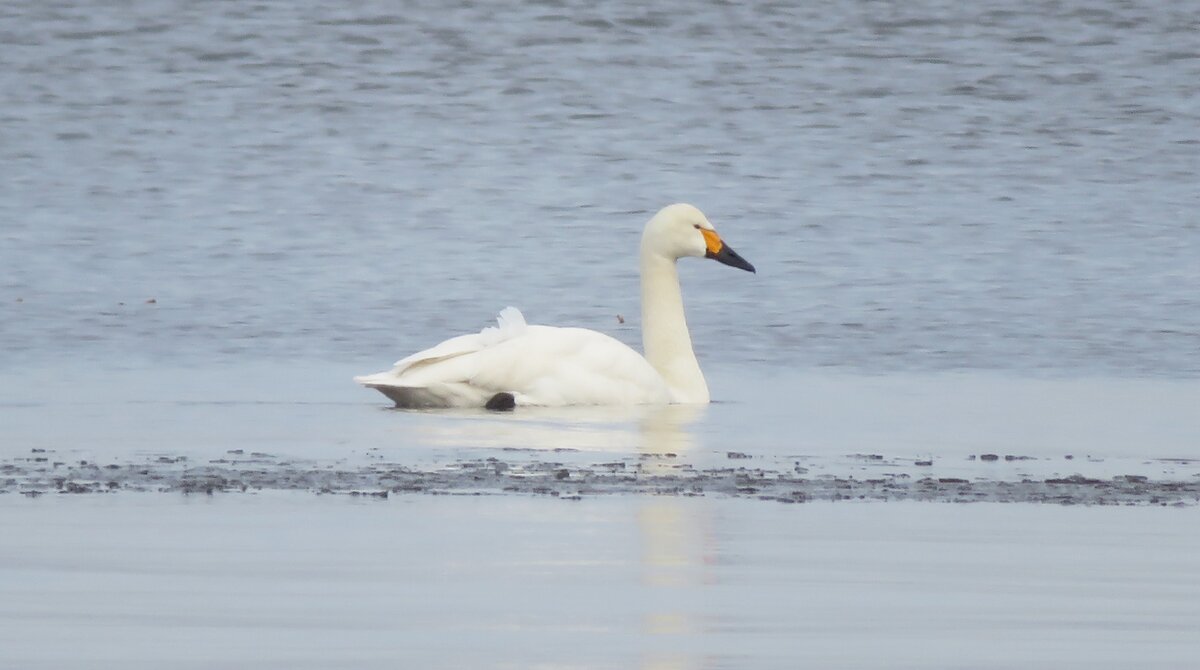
x=682 y=230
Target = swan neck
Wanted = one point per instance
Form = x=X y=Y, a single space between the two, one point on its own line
x=665 y=336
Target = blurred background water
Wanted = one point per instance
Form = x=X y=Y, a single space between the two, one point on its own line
x=924 y=186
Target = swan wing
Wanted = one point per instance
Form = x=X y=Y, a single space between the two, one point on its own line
x=569 y=366
x=510 y=324
x=539 y=365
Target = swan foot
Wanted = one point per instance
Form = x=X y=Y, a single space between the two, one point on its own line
x=502 y=402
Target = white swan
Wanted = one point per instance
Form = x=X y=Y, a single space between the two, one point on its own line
x=520 y=364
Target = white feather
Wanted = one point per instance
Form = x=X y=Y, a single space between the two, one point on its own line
x=539 y=365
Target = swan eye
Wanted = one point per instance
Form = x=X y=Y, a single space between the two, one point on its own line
x=696 y=226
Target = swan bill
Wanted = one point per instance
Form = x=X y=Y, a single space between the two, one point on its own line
x=725 y=254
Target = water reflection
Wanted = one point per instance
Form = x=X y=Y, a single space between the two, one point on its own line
x=676 y=538
x=637 y=429
x=669 y=429
x=676 y=542
x=670 y=662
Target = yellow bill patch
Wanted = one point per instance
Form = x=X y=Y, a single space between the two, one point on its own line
x=712 y=241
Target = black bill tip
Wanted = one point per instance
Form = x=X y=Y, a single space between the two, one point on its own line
x=731 y=258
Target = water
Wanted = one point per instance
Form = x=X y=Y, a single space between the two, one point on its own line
x=927 y=187
x=976 y=234
x=653 y=583
x=294 y=428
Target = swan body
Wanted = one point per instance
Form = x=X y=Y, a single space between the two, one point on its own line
x=550 y=366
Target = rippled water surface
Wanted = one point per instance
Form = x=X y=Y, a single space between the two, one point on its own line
x=923 y=186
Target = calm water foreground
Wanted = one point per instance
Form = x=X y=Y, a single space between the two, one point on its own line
x=291 y=580
x=940 y=424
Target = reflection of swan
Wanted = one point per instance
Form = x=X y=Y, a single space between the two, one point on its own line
x=519 y=364
x=676 y=543
x=648 y=429
x=664 y=429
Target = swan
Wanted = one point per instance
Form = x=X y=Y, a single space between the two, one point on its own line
x=516 y=364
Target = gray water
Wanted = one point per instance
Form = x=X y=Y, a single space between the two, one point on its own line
x=652 y=583
x=923 y=187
